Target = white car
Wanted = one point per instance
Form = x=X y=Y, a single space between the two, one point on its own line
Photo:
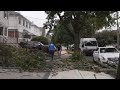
x=108 y=55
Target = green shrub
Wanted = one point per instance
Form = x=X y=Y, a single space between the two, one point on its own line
x=76 y=56
x=6 y=54
x=41 y=39
x=26 y=60
x=45 y=49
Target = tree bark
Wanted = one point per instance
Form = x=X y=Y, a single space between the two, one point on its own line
x=118 y=70
x=67 y=46
x=77 y=40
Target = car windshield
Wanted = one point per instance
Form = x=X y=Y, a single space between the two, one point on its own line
x=108 y=50
x=91 y=43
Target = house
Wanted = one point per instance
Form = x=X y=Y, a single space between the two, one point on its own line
x=18 y=27
x=49 y=36
x=14 y=28
x=35 y=30
x=43 y=32
x=4 y=16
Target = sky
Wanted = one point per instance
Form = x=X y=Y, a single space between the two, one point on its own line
x=38 y=17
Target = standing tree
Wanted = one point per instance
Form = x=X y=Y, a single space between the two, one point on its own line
x=77 y=21
x=62 y=36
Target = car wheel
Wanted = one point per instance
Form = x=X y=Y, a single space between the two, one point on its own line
x=99 y=61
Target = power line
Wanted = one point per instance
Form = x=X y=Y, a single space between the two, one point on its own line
x=35 y=18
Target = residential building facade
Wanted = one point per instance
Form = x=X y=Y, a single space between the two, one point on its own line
x=4 y=23
x=18 y=26
x=14 y=27
x=35 y=30
x=43 y=32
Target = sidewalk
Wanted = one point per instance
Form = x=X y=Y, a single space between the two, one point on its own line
x=14 y=74
x=77 y=74
x=64 y=54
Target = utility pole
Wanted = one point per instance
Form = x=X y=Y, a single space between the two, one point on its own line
x=118 y=68
x=117 y=31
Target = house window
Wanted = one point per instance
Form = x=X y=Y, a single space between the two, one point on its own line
x=5 y=32
x=6 y=14
x=1 y=30
x=23 y=22
x=29 y=26
x=26 y=24
x=19 y=20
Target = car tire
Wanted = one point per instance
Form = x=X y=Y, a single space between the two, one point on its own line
x=99 y=61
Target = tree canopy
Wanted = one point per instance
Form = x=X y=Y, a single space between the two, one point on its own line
x=75 y=22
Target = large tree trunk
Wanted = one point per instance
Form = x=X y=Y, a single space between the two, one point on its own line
x=67 y=46
x=77 y=40
x=118 y=70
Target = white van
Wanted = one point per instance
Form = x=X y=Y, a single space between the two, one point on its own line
x=88 y=45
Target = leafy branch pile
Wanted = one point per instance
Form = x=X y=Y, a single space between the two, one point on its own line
x=26 y=60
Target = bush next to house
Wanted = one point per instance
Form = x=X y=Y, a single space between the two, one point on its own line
x=41 y=39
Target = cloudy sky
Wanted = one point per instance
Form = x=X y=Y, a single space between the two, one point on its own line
x=38 y=17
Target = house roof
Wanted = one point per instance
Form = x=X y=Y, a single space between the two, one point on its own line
x=18 y=14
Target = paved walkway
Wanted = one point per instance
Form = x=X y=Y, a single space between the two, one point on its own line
x=77 y=74
x=64 y=55
x=71 y=74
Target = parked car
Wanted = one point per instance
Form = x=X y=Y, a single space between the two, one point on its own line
x=23 y=44
x=108 y=55
x=32 y=44
x=35 y=44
